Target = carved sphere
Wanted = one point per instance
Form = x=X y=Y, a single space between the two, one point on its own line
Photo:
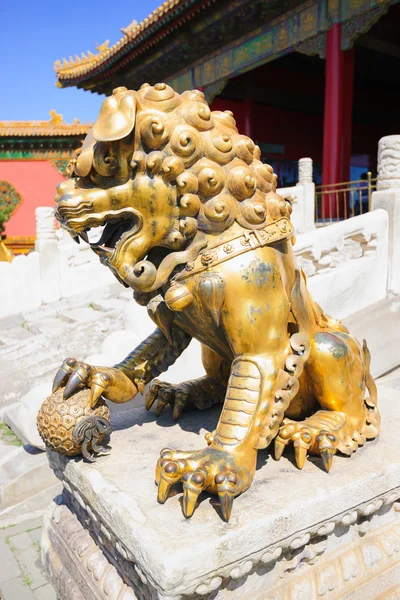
x=57 y=418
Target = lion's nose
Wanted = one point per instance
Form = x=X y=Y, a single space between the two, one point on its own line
x=68 y=203
x=64 y=187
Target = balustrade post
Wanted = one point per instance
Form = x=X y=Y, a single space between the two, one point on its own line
x=47 y=245
x=306 y=181
x=387 y=196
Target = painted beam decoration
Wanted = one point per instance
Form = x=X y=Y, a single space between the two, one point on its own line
x=262 y=45
x=301 y=29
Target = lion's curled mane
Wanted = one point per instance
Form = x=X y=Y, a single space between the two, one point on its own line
x=218 y=174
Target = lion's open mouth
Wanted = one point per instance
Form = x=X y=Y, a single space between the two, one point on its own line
x=103 y=231
x=108 y=235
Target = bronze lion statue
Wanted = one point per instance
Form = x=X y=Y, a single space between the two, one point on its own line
x=192 y=223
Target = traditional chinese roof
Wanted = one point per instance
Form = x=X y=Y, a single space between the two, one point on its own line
x=136 y=36
x=54 y=127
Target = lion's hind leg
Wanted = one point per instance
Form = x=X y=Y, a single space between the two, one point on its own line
x=338 y=372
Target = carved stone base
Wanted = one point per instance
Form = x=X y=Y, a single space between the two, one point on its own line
x=293 y=535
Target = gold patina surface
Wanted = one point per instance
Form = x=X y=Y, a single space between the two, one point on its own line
x=194 y=226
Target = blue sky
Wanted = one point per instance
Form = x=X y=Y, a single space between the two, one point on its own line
x=36 y=33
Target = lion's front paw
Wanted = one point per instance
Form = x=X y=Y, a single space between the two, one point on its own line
x=108 y=382
x=199 y=393
x=211 y=470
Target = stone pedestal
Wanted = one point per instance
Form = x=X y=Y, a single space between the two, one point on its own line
x=295 y=534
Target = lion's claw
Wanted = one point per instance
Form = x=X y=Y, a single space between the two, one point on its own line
x=211 y=470
x=63 y=373
x=181 y=400
x=167 y=394
x=79 y=376
x=109 y=382
x=198 y=393
x=310 y=436
x=165 y=397
x=193 y=485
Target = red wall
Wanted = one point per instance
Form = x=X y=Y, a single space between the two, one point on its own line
x=36 y=181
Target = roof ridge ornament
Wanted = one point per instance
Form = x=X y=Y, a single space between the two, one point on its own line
x=66 y=69
x=87 y=58
x=131 y=28
x=55 y=125
x=56 y=118
x=102 y=48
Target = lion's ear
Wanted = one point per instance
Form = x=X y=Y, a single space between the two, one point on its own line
x=117 y=116
x=85 y=158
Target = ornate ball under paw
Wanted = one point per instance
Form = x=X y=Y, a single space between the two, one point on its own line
x=71 y=426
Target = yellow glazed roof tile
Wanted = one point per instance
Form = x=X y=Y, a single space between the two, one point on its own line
x=75 y=67
x=55 y=126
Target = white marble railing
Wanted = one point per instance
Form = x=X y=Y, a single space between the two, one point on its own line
x=58 y=268
x=20 y=284
x=350 y=264
x=346 y=263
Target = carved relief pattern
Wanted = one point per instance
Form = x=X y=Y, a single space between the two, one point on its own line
x=350 y=566
x=93 y=564
x=45 y=223
x=388 y=162
x=356 y=245
x=305 y=170
x=303 y=548
x=353 y=28
x=61 y=165
x=316 y=46
x=214 y=89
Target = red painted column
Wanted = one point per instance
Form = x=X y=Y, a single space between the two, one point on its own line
x=333 y=117
x=348 y=79
x=248 y=106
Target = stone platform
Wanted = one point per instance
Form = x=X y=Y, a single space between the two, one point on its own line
x=294 y=535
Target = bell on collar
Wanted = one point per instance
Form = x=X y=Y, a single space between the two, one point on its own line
x=178 y=297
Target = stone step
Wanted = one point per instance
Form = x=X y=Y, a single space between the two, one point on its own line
x=32 y=507
x=391 y=379
x=379 y=324
x=38 y=357
x=24 y=472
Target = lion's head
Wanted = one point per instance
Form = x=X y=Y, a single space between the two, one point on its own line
x=160 y=171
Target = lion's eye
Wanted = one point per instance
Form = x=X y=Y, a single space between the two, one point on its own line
x=100 y=180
